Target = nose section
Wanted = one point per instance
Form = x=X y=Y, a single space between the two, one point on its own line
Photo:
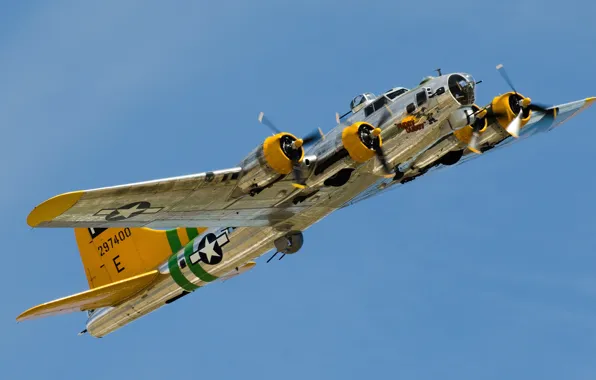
x=462 y=88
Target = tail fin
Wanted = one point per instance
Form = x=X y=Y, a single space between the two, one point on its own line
x=114 y=254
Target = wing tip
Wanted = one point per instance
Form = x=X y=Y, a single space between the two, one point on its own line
x=53 y=207
x=29 y=313
x=589 y=101
x=23 y=316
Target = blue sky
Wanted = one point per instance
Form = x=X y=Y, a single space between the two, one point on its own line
x=484 y=271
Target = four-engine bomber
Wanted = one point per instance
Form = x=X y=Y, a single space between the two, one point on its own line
x=217 y=223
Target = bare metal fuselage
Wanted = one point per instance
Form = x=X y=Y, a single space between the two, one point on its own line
x=402 y=147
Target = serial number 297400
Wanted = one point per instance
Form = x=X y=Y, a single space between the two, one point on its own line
x=116 y=239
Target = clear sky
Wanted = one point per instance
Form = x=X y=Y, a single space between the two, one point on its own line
x=484 y=271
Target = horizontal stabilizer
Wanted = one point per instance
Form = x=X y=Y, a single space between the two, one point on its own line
x=107 y=295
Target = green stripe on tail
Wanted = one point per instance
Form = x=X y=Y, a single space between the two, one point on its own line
x=174 y=240
x=192 y=233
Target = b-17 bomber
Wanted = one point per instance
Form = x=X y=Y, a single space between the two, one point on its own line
x=144 y=245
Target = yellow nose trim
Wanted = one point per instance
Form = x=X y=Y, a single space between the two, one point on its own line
x=298 y=143
x=376 y=132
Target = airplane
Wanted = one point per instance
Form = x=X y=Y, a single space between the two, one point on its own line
x=145 y=245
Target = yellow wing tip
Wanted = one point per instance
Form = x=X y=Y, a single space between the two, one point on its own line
x=53 y=207
x=27 y=314
x=591 y=100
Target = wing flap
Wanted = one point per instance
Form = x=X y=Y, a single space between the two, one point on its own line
x=107 y=295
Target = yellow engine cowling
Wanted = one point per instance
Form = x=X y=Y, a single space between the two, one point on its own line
x=507 y=107
x=274 y=155
x=465 y=134
x=352 y=140
x=269 y=162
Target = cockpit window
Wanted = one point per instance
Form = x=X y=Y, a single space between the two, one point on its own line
x=377 y=105
x=461 y=89
x=421 y=98
x=357 y=101
x=394 y=94
x=360 y=101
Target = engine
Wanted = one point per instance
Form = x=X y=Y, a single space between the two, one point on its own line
x=468 y=117
x=359 y=139
x=272 y=160
x=506 y=107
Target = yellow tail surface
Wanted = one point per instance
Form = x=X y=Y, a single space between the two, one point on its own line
x=101 y=296
x=114 y=254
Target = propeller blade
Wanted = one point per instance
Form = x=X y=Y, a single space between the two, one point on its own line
x=265 y=121
x=313 y=137
x=381 y=156
x=503 y=73
x=515 y=126
x=473 y=145
x=297 y=171
x=386 y=115
x=549 y=111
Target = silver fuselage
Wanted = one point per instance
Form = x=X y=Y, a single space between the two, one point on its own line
x=401 y=147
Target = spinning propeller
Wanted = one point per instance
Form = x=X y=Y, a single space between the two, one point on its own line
x=293 y=148
x=525 y=105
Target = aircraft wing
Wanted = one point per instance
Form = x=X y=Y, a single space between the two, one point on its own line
x=107 y=295
x=205 y=199
x=536 y=125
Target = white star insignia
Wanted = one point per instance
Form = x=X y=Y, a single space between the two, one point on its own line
x=209 y=250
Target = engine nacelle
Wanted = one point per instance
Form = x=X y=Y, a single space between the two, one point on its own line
x=358 y=140
x=269 y=162
x=507 y=107
x=471 y=122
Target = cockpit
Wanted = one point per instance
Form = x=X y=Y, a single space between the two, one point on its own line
x=361 y=100
x=462 y=88
x=367 y=98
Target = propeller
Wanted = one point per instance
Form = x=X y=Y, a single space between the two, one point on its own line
x=473 y=144
x=526 y=104
x=294 y=148
x=478 y=124
x=265 y=121
x=514 y=127
x=373 y=136
x=377 y=141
